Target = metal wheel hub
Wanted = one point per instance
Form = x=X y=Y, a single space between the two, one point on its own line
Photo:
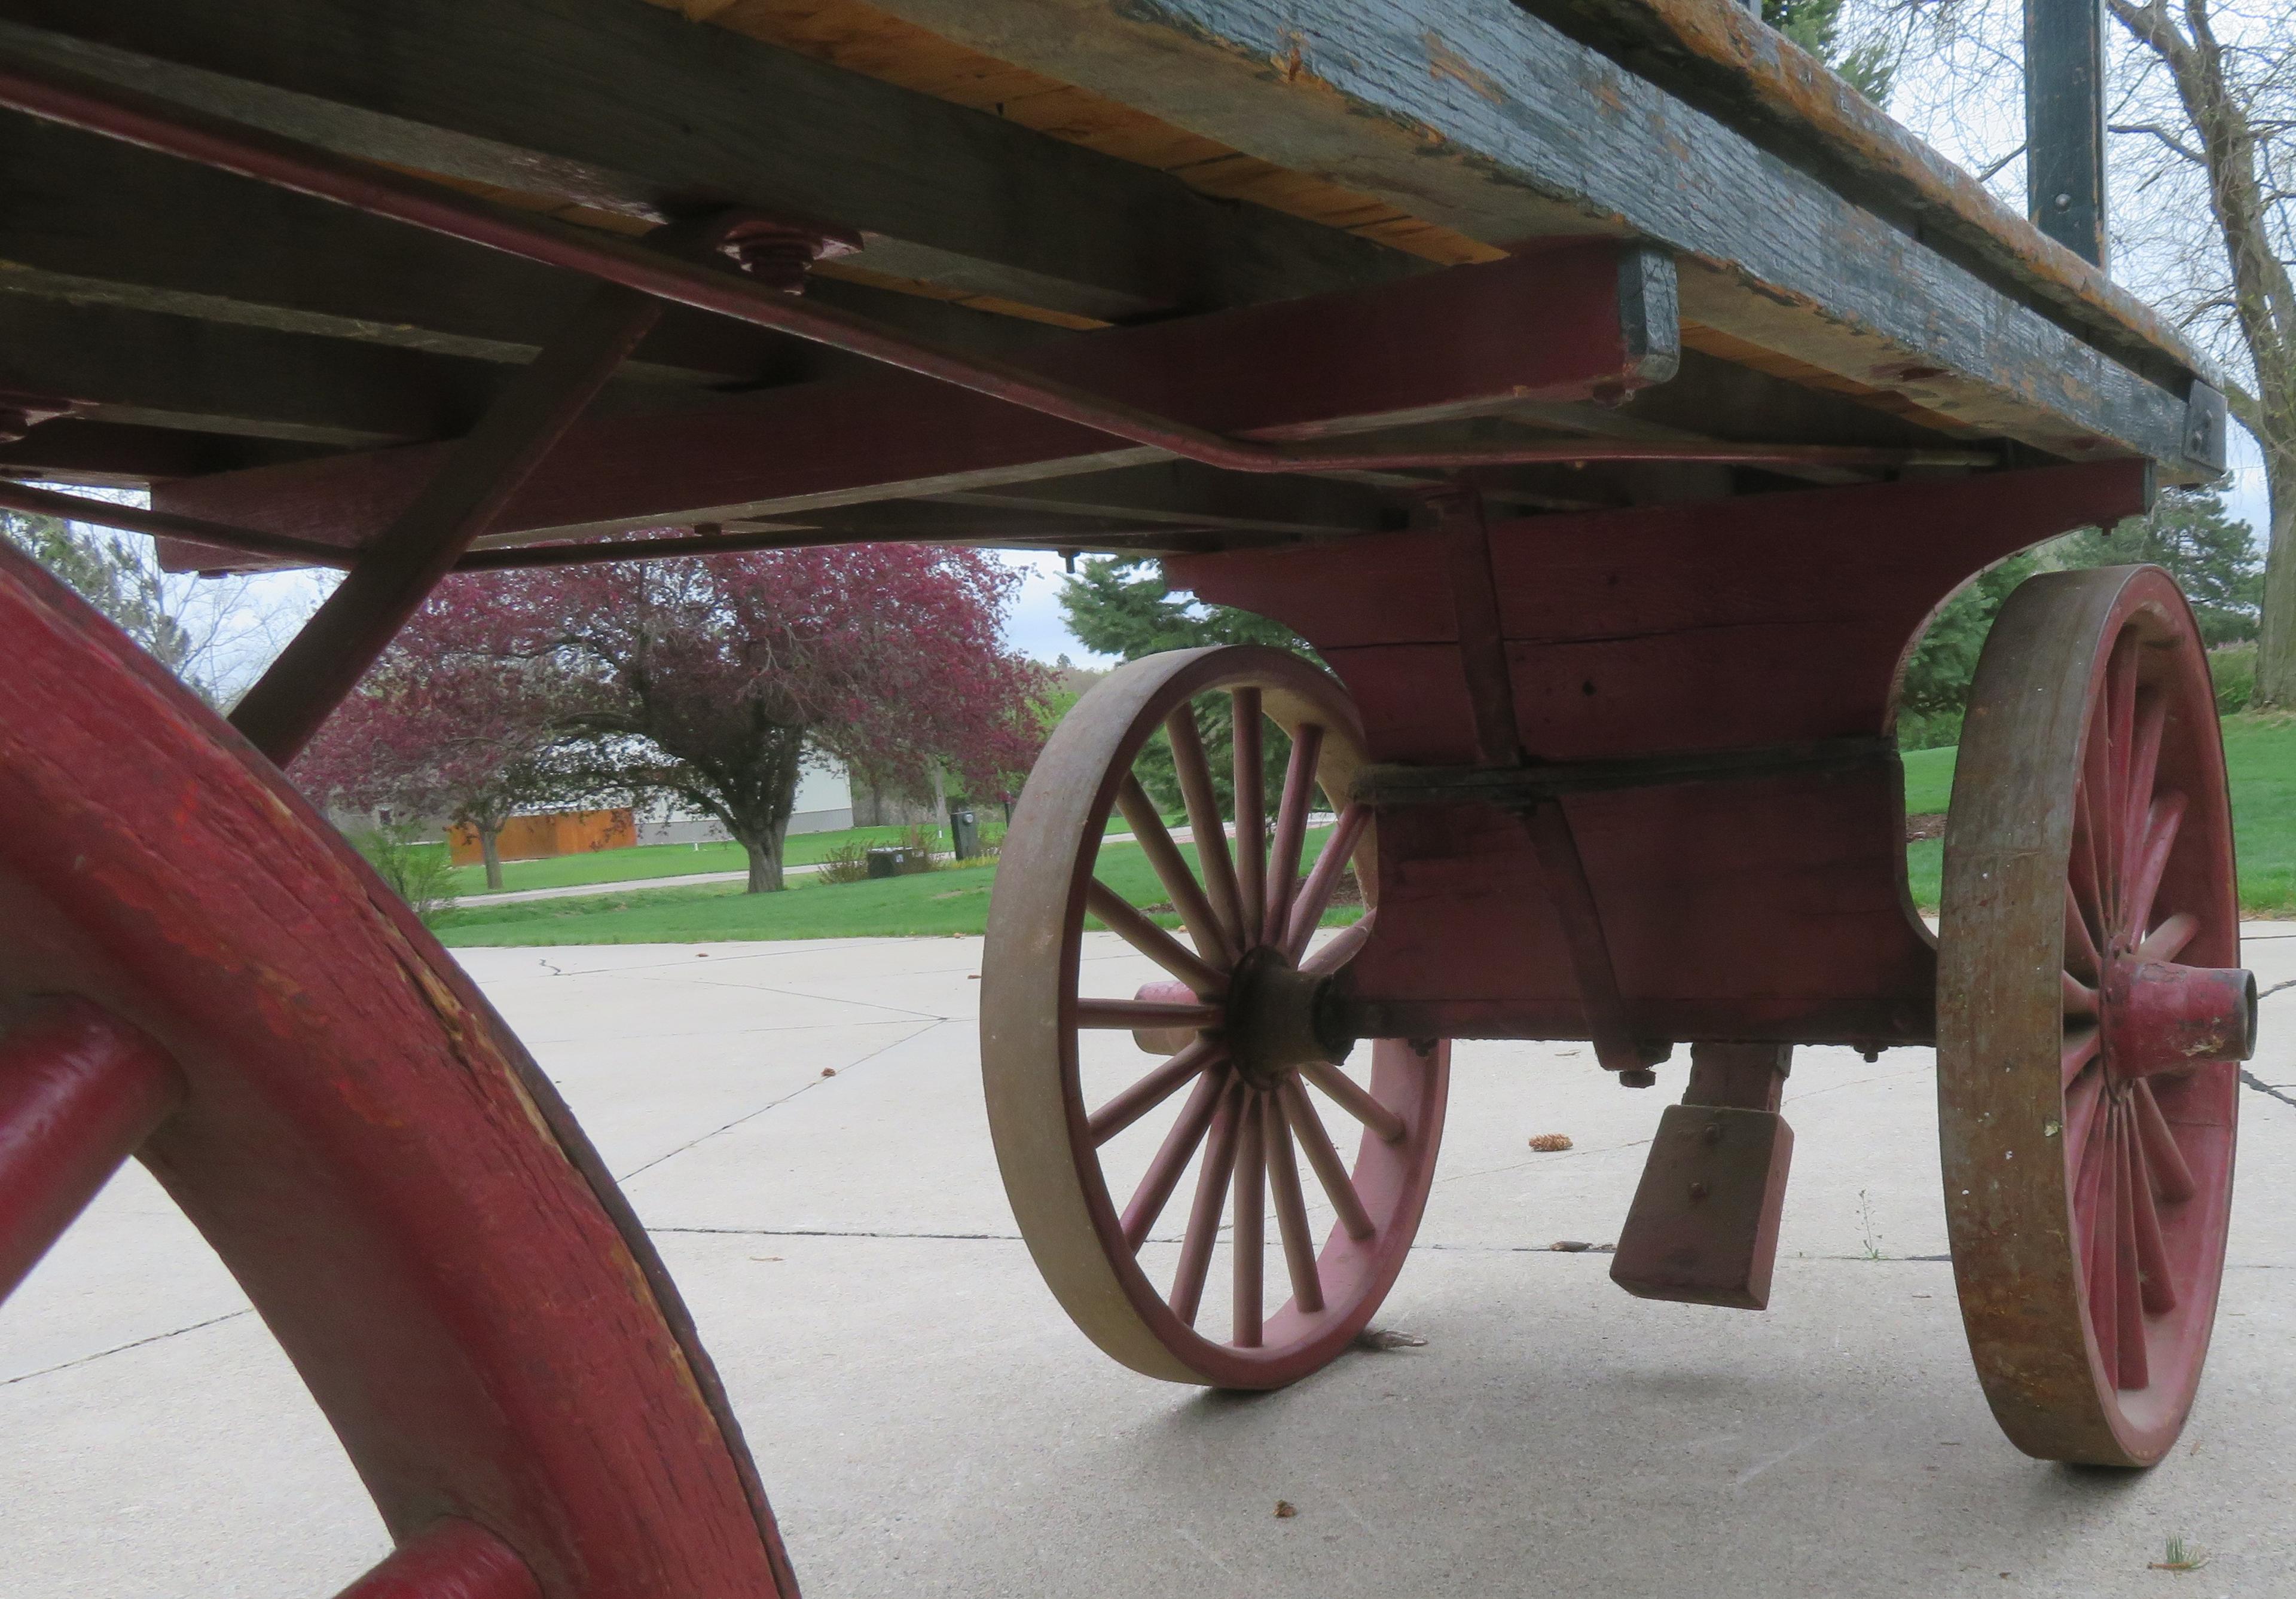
x=1275 y=1016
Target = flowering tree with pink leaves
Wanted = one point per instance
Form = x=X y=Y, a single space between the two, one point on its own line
x=711 y=679
x=448 y=726
x=717 y=679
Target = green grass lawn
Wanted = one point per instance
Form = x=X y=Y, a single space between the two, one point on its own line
x=2260 y=753
x=679 y=860
x=2259 y=758
x=947 y=902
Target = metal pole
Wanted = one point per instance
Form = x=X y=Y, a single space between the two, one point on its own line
x=2064 y=123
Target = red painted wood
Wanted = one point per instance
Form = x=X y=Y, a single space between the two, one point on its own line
x=449 y=1560
x=363 y=1141
x=1536 y=327
x=78 y=1093
x=389 y=581
x=1704 y=1226
x=1763 y=907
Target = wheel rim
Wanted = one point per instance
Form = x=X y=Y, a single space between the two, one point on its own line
x=2092 y=1015
x=1109 y=1163
x=195 y=970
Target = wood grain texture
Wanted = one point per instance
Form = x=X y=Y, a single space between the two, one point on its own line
x=864 y=39
x=1768 y=906
x=617 y=106
x=1469 y=340
x=390 y=1178
x=1481 y=117
x=1720 y=59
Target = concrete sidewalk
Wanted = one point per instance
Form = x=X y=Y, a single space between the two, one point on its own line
x=928 y=1422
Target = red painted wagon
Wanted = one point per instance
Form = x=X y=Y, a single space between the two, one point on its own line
x=1604 y=391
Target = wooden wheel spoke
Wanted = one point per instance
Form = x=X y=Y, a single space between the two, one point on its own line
x=78 y=1094
x=2129 y=1288
x=1343 y=947
x=1290 y=826
x=1187 y=1294
x=2171 y=1173
x=1250 y=1240
x=2153 y=1274
x=2081 y=1047
x=1355 y=1099
x=1250 y=812
x=2144 y=760
x=1152 y=1090
x=2080 y=948
x=1128 y=1015
x=2118 y=705
x=2081 y=1102
x=2079 y=999
x=1131 y=925
x=2149 y=856
x=1204 y=820
x=1290 y=1209
x=2102 y=1215
x=1172 y=871
x=2167 y=941
x=1330 y=1170
x=2087 y=879
x=1172 y=1158
x=1315 y=894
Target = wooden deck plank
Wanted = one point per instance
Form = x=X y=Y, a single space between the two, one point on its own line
x=1481 y=117
x=622 y=107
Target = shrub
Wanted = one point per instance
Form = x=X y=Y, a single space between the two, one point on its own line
x=2232 y=667
x=845 y=863
x=1931 y=732
x=418 y=870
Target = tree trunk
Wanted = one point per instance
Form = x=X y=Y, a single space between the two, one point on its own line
x=2275 y=644
x=490 y=852
x=765 y=865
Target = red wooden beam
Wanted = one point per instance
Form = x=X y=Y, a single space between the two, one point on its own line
x=78 y=1093
x=396 y=574
x=1549 y=326
x=451 y=1559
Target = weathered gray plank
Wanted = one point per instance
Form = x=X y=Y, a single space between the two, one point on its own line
x=1726 y=62
x=99 y=222
x=123 y=455
x=623 y=105
x=180 y=372
x=1476 y=116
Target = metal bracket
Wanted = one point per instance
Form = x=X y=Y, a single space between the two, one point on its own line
x=1519 y=787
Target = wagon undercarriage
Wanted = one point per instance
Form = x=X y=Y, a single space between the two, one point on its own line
x=1609 y=437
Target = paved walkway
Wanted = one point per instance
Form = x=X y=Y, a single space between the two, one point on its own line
x=929 y=1424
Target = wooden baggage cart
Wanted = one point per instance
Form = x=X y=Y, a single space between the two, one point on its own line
x=1605 y=390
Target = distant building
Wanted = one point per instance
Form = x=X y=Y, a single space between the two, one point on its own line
x=827 y=800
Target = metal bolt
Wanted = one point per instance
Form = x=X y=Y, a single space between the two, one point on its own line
x=1698 y=1191
x=1638 y=1077
x=1711 y=1132
x=2064 y=202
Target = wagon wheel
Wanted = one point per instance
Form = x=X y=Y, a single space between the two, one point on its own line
x=195 y=970
x=1238 y=1028
x=2091 y=1016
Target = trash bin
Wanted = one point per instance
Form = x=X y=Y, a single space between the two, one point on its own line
x=899 y=861
x=964 y=834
